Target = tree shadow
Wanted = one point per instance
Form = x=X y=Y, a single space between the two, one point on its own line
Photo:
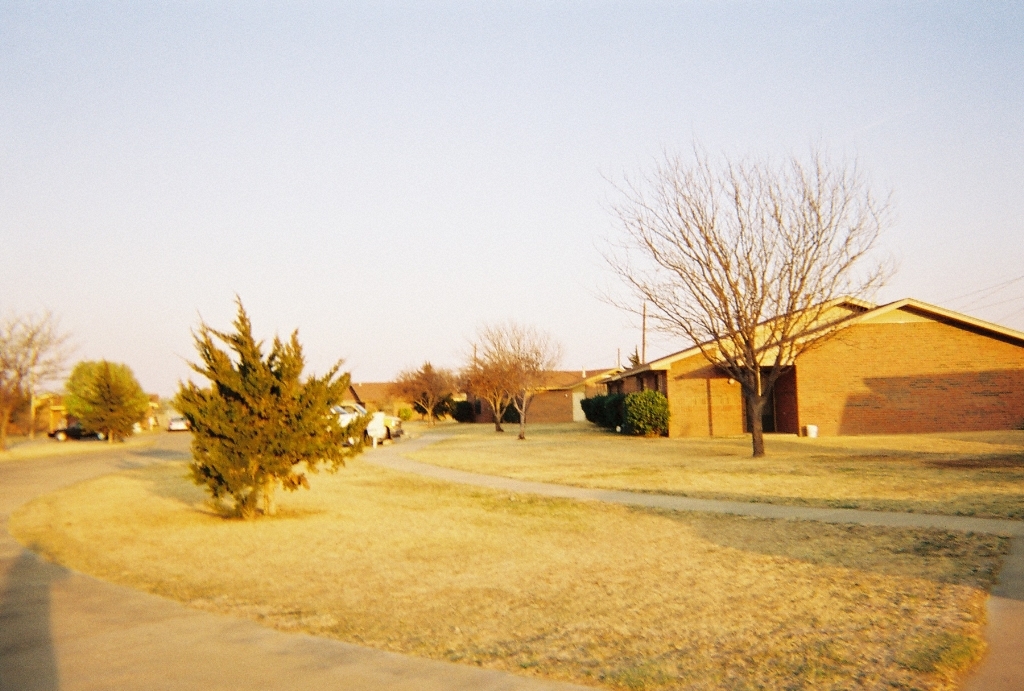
x=28 y=661
x=945 y=556
x=961 y=401
x=163 y=454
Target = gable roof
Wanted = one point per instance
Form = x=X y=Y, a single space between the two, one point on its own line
x=862 y=312
x=371 y=391
x=570 y=379
x=944 y=315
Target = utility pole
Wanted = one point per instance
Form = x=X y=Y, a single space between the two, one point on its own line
x=643 y=338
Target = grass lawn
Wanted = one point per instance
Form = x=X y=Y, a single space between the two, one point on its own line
x=602 y=595
x=973 y=474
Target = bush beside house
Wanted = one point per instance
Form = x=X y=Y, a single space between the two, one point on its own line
x=643 y=413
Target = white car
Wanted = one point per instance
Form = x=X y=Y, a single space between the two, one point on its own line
x=177 y=424
x=379 y=428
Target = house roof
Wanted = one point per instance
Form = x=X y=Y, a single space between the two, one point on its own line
x=866 y=311
x=570 y=379
x=944 y=315
x=372 y=391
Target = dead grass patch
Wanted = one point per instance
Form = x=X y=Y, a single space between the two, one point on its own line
x=604 y=595
x=973 y=474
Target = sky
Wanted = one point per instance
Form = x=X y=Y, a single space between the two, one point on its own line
x=387 y=178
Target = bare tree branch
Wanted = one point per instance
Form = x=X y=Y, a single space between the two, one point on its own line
x=748 y=259
x=508 y=367
x=33 y=351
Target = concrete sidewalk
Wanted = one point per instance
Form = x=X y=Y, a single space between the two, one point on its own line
x=1001 y=670
x=64 y=630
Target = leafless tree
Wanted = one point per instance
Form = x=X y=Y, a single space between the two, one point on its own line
x=489 y=374
x=427 y=387
x=747 y=259
x=517 y=358
x=33 y=351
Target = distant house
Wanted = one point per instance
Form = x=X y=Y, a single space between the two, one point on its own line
x=558 y=398
x=902 y=367
x=375 y=396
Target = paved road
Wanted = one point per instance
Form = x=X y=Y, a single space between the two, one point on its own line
x=64 y=630
x=1003 y=667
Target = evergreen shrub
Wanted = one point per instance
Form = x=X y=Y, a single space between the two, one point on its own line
x=605 y=411
x=463 y=412
x=646 y=413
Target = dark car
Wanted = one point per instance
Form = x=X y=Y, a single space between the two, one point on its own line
x=75 y=431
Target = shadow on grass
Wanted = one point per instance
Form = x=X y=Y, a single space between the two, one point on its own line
x=174 y=481
x=943 y=556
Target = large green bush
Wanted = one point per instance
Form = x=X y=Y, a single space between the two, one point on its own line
x=605 y=411
x=463 y=411
x=259 y=424
x=646 y=413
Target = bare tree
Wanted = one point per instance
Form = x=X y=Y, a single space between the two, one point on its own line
x=33 y=351
x=748 y=259
x=489 y=376
x=517 y=357
x=428 y=388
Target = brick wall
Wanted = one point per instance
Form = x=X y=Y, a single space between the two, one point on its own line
x=919 y=375
x=701 y=400
x=550 y=406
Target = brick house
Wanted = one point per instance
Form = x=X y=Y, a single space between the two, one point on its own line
x=558 y=398
x=902 y=367
x=375 y=396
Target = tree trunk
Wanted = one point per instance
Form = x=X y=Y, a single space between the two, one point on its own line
x=32 y=416
x=755 y=406
x=522 y=422
x=269 y=505
x=5 y=418
x=497 y=412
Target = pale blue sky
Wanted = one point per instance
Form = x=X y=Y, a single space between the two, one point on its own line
x=388 y=177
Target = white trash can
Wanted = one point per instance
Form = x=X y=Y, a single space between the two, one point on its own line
x=811 y=431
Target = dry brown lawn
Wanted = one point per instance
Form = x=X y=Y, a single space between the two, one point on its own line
x=602 y=595
x=973 y=474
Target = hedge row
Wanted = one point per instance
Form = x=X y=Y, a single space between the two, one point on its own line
x=642 y=413
x=605 y=411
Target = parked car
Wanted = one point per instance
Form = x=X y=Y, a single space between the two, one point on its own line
x=178 y=424
x=75 y=431
x=379 y=428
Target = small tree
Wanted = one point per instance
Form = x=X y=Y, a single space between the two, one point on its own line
x=748 y=259
x=259 y=424
x=489 y=375
x=428 y=388
x=517 y=357
x=106 y=397
x=32 y=352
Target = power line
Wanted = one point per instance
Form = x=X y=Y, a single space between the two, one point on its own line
x=985 y=293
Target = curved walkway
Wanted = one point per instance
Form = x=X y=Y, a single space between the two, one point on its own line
x=63 y=630
x=1001 y=670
